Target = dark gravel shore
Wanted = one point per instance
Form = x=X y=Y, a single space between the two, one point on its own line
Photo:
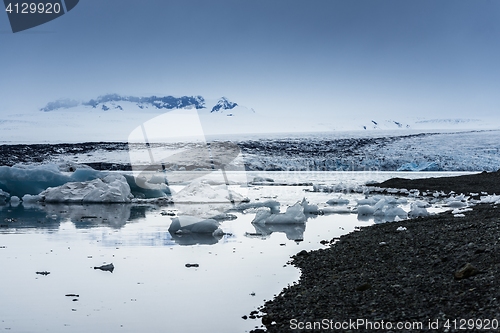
x=441 y=271
x=483 y=182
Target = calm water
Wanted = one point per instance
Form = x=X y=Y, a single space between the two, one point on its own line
x=150 y=289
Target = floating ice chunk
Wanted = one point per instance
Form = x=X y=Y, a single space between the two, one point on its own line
x=308 y=208
x=336 y=210
x=365 y=210
x=459 y=215
x=367 y=201
x=261 y=216
x=401 y=228
x=3 y=197
x=338 y=201
x=191 y=224
x=262 y=180
x=111 y=189
x=29 y=199
x=200 y=191
x=14 y=200
x=293 y=214
x=273 y=205
x=28 y=179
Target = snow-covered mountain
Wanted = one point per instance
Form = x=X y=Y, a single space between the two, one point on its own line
x=113 y=117
x=115 y=101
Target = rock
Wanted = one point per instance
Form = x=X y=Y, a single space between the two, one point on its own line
x=107 y=267
x=466 y=271
x=302 y=253
x=363 y=287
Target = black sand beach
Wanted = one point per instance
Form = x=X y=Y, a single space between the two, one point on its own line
x=440 y=274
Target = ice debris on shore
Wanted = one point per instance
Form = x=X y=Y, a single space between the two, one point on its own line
x=417 y=210
x=381 y=206
x=491 y=199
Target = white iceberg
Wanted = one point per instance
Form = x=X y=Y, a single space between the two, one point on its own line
x=32 y=179
x=293 y=214
x=191 y=224
x=110 y=189
x=365 y=210
x=202 y=192
x=308 y=208
x=336 y=210
x=338 y=201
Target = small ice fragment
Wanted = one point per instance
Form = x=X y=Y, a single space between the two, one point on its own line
x=14 y=200
x=401 y=228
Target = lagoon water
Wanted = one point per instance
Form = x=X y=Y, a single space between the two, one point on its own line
x=151 y=289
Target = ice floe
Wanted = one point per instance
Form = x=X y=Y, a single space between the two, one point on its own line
x=338 y=201
x=202 y=192
x=110 y=189
x=293 y=214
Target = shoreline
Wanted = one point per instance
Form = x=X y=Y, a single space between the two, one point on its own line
x=382 y=274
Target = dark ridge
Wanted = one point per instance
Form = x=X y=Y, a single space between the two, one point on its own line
x=37 y=153
x=482 y=182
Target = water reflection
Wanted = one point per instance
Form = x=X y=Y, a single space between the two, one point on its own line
x=195 y=239
x=50 y=216
x=292 y=231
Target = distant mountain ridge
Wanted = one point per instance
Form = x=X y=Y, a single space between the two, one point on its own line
x=110 y=101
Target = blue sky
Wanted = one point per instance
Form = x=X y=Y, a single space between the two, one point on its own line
x=322 y=57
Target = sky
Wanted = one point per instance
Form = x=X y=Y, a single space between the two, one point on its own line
x=314 y=58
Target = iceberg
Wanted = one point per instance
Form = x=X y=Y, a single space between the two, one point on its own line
x=202 y=192
x=293 y=214
x=338 y=201
x=191 y=224
x=20 y=180
x=308 y=208
x=110 y=189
